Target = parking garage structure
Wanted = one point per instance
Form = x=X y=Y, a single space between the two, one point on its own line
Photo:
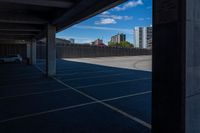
x=47 y=96
x=26 y=21
x=175 y=52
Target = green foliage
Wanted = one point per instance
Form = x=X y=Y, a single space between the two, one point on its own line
x=112 y=44
x=124 y=44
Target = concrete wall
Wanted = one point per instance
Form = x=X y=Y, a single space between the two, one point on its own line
x=193 y=67
x=13 y=49
x=79 y=51
x=176 y=66
x=168 y=91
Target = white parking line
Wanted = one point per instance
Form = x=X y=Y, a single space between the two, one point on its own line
x=81 y=71
x=127 y=96
x=45 y=112
x=145 y=124
x=84 y=72
x=23 y=74
x=71 y=107
x=25 y=84
x=35 y=93
x=110 y=83
x=51 y=91
x=101 y=76
x=72 y=68
x=65 y=69
x=30 y=77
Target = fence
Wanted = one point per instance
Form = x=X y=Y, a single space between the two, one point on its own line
x=80 y=51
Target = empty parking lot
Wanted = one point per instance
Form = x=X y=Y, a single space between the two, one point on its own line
x=81 y=98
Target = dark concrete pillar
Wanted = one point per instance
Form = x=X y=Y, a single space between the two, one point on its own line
x=51 y=51
x=169 y=66
x=33 y=52
x=193 y=67
x=28 y=50
x=176 y=66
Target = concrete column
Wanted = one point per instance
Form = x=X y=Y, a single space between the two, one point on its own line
x=33 y=52
x=193 y=66
x=169 y=63
x=28 y=50
x=51 y=51
x=176 y=66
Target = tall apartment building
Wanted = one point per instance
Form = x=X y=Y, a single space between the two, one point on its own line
x=118 y=38
x=143 y=37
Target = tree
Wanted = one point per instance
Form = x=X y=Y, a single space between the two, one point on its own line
x=124 y=44
x=112 y=44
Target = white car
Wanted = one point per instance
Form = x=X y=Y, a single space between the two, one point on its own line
x=11 y=58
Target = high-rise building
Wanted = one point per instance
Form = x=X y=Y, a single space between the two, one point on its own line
x=143 y=37
x=118 y=38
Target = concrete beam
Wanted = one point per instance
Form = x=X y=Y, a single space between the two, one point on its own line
x=82 y=11
x=5 y=41
x=19 y=27
x=14 y=37
x=51 y=51
x=46 y=3
x=19 y=33
x=21 y=19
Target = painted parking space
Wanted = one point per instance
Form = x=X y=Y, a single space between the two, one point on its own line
x=88 y=119
x=80 y=98
x=139 y=106
x=20 y=106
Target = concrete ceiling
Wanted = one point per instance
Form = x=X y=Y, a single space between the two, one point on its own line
x=28 y=19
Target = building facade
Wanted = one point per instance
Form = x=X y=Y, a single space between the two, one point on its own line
x=97 y=42
x=118 y=38
x=143 y=37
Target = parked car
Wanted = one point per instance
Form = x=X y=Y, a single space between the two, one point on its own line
x=11 y=58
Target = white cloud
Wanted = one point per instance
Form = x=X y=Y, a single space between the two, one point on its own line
x=108 y=18
x=128 y=17
x=116 y=17
x=143 y=19
x=130 y=4
x=127 y=31
x=104 y=21
x=105 y=13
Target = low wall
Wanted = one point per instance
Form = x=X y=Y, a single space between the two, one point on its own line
x=81 y=51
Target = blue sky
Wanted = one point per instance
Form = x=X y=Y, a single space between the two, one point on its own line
x=121 y=19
